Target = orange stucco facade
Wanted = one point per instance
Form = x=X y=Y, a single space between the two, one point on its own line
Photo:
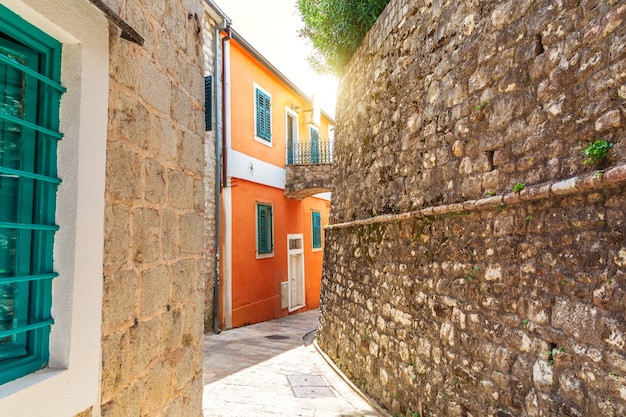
x=253 y=284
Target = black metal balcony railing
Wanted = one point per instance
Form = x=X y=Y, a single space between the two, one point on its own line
x=313 y=152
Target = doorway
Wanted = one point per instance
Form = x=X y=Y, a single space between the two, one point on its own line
x=295 y=256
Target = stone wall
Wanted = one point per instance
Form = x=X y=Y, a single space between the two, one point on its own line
x=445 y=292
x=210 y=175
x=152 y=349
x=306 y=180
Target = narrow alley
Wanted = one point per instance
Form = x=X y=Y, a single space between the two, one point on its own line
x=273 y=369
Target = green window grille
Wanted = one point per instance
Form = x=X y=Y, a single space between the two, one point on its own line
x=265 y=235
x=315 y=145
x=30 y=67
x=316 y=226
x=263 y=115
x=208 y=103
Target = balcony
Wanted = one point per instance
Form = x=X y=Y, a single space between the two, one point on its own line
x=310 y=153
x=309 y=169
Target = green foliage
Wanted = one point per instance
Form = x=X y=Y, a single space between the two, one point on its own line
x=596 y=151
x=518 y=187
x=336 y=29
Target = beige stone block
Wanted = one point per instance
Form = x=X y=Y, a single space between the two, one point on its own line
x=116 y=235
x=192 y=233
x=155 y=290
x=193 y=407
x=123 y=172
x=132 y=120
x=192 y=80
x=169 y=234
x=121 y=68
x=114 y=365
x=184 y=277
x=157 y=389
x=127 y=403
x=185 y=367
x=182 y=104
x=166 y=53
x=143 y=346
x=191 y=153
x=120 y=298
x=137 y=18
x=162 y=141
x=180 y=190
x=175 y=409
x=154 y=86
x=156 y=187
x=171 y=331
x=174 y=25
x=146 y=231
x=192 y=323
x=199 y=195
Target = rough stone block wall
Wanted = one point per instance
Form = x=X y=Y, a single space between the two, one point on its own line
x=307 y=180
x=152 y=340
x=210 y=176
x=445 y=292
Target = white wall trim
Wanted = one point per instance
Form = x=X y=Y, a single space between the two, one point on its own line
x=227 y=258
x=71 y=383
x=255 y=170
x=296 y=133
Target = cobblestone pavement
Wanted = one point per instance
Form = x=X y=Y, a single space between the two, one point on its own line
x=266 y=370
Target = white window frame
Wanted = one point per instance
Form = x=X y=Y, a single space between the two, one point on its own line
x=256 y=231
x=268 y=143
x=292 y=113
x=71 y=382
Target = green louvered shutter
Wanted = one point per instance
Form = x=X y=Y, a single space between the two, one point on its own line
x=316 y=225
x=263 y=115
x=29 y=123
x=315 y=146
x=208 y=103
x=265 y=240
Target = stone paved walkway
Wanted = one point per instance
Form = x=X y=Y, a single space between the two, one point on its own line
x=265 y=370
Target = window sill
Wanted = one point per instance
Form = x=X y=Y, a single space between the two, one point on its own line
x=265 y=142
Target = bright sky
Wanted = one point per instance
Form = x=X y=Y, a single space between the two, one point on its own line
x=271 y=27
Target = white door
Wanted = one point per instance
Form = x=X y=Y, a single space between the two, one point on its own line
x=295 y=256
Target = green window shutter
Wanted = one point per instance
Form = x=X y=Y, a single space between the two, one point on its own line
x=29 y=130
x=316 y=223
x=315 y=145
x=208 y=103
x=265 y=238
x=263 y=115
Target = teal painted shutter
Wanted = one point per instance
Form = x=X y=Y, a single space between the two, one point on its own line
x=290 y=137
x=29 y=122
x=265 y=241
x=316 y=221
x=315 y=146
x=208 y=103
x=263 y=115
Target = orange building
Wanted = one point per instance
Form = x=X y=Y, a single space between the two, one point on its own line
x=270 y=246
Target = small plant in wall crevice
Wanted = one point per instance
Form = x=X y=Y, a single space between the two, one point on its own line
x=519 y=186
x=596 y=151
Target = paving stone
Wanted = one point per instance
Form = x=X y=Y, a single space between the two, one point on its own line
x=246 y=374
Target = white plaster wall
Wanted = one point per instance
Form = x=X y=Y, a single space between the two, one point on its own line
x=71 y=383
x=255 y=170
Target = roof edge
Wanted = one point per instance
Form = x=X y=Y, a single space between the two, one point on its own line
x=259 y=57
